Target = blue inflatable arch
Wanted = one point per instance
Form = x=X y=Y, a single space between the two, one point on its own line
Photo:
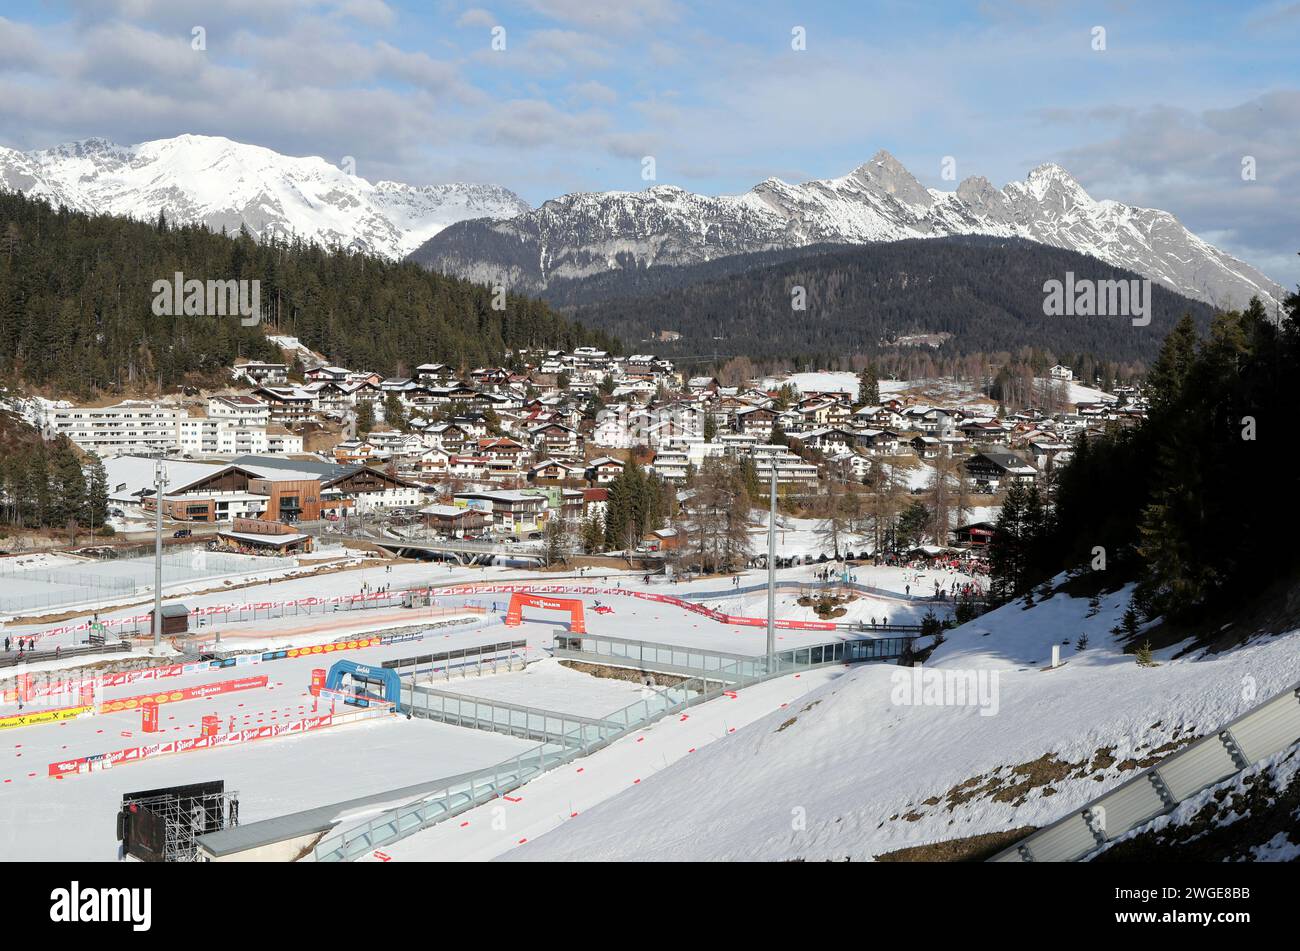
x=361 y=673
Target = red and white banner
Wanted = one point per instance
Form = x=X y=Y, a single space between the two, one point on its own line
x=99 y=761
x=693 y=606
x=215 y=610
x=184 y=693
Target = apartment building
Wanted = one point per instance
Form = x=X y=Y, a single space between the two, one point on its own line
x=288 y=404
x=209 y=436
x=233 y=425
x=263 y=373
x=243 y=410
x=132 y=426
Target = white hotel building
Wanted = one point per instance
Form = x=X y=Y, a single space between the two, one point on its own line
x=133 y=426
x=236 y=425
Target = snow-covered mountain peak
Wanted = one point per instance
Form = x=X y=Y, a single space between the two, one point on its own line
x=880 y=200
x=222 y=183
x=670 y=192
x=887 y=174
x=1050 y=179
x=226 y=184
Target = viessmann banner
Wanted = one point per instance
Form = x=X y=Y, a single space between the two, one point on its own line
x=184 y=693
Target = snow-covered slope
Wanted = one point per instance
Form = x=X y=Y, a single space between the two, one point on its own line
x=225 y=184
x=848 y=772
x=582 y=234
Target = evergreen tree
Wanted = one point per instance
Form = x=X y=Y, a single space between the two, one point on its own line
x=1006 y=546
x=555 y=542
x=868 y=386
x=394 y=411
x=67 y=487
x=365 y=417
x=1144 y=655
x=912 y=524
x=754 y=487
x=593 y=534
x=96 y=493
x=1169 y=372
x=76 y=304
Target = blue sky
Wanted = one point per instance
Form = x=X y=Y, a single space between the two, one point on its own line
x=584 y=90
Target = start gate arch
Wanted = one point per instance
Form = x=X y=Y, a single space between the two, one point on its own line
x=363 y=675
x=519 y=601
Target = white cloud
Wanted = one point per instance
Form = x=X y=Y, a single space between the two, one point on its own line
x=610 y=17
x=595 y=92
x=477 y=16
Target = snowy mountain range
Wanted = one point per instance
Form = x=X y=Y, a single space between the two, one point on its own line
x=586 y=233
x=488 y=233
x=225 y=184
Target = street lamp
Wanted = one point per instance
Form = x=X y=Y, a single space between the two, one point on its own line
x=771 y=573
x=159 y=480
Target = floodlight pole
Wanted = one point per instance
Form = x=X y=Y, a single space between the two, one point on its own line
x=771 y=572
x=159 y=480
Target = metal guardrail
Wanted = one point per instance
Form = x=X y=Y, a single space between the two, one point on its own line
x=269 y=611
x=697 y=662
x=1266 y=730
x=816 y=586
x=444 y=661
x=14 y=658
x=464 y=545
x=510 y=719
x=497 y=780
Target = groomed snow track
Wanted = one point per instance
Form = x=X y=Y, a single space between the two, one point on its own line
x=719 y=674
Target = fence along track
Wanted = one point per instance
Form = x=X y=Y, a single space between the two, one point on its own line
x=1264 y=731
x=584 y=738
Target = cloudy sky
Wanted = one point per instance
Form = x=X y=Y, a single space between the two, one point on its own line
x=1163 y=116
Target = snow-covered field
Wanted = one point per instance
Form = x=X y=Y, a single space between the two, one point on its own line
x=550 y=686
x=834 y=763
x=72 y=818
x=857 y=771
x=1087 y=394
x=31 y=584
x=628 y=766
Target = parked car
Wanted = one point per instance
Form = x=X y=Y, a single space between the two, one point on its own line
x=182 y=533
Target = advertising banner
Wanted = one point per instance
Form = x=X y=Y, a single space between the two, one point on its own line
x=42 y=716
x=100 y=761
x=150 y=718
x=184 y=693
